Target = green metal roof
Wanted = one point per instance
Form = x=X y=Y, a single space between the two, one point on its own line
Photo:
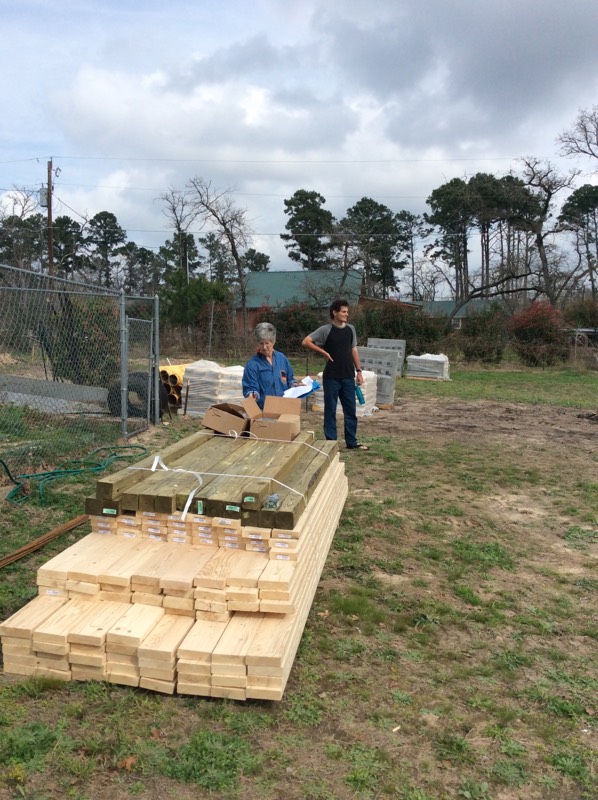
x=317 y=288
x=443 y=308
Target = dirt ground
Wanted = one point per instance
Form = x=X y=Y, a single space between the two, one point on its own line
x=444 y=419
x=554 y=440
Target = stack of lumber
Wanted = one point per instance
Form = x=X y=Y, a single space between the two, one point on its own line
x=224 y=477
x=175 y=614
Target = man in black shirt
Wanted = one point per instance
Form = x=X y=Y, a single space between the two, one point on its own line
x=337 y=342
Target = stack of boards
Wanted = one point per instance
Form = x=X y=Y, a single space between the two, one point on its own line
x=142 y=601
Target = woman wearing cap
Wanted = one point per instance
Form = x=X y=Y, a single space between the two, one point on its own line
x=269 y=372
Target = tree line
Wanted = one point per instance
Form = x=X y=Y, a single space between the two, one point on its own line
x=530 y=235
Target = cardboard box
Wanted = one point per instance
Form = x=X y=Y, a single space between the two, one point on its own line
x=280 y=419
x=226 y=418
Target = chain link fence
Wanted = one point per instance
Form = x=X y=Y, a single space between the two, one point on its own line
x=77 y=369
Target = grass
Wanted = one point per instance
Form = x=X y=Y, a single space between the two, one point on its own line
x=566 y=387
x=449 y=652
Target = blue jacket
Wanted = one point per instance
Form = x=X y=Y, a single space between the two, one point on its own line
x=264 y=378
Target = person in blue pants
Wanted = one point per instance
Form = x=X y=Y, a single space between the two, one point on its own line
x=269 y=371
x=337 y=342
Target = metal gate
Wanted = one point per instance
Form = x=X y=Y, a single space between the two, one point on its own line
x=75 y=361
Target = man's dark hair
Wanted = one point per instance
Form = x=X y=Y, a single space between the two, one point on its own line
x=336 y=305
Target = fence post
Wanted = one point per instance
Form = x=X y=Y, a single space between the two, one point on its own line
x=156 y=359
x=210 y=330
x=124 y=366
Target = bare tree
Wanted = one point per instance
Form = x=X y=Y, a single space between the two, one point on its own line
x=19 y=203
x=181 y=212
x=230 y=223
x=582 y=138
x=545 y=182
x=427 y=277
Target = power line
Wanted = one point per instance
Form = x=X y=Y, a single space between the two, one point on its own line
x=83 y=217
x=288 y=160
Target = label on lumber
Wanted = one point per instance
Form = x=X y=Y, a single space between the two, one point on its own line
x=233 y=508
x=200 y=506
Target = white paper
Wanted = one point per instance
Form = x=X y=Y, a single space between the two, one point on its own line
x=298 y=391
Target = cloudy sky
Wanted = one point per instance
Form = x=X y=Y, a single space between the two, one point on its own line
x=385 y=99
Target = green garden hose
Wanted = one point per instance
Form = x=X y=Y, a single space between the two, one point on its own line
x=92 y=463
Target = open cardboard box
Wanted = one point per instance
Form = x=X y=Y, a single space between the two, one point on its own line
x=280 y=419
x=227 y=418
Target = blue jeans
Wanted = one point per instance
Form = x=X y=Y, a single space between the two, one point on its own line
x=343 y=390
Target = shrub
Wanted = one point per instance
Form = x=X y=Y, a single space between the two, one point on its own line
x=582 y=313
x=483 y=336
x=394 y=320
x=538 y=335
x=80 y=337
x=292 y=324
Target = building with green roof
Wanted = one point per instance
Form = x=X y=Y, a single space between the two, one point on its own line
x=316 y=288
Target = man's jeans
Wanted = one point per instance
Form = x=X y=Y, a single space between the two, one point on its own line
x=343 y=390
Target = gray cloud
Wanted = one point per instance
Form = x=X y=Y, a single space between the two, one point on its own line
x=451 y=72
x=386 y=99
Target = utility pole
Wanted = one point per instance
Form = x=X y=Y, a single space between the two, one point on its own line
x=50 y=231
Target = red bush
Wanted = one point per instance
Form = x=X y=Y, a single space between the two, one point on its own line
x=538 y=335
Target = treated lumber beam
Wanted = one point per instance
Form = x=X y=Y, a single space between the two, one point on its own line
x=181 y=485
x=226 y=493
x=274 y=471
x=242 y=462
x=140 y=495
x=113 y=485
x=303 y=479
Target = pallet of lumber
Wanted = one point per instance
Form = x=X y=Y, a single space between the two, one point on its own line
x=216 y=475
x=215 y=576
x=217 y=620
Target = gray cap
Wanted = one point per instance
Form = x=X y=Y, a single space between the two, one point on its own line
x=265 y=332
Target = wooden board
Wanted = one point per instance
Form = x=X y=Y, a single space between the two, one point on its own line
x=135 y=624
x=55 y=629
x=80 y=552
x=27 y=619
x=111 y=486
x=213 y=574
x=201 y=640
x=92 y=630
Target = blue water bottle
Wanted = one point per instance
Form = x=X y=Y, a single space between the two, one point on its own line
x=360 y=397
